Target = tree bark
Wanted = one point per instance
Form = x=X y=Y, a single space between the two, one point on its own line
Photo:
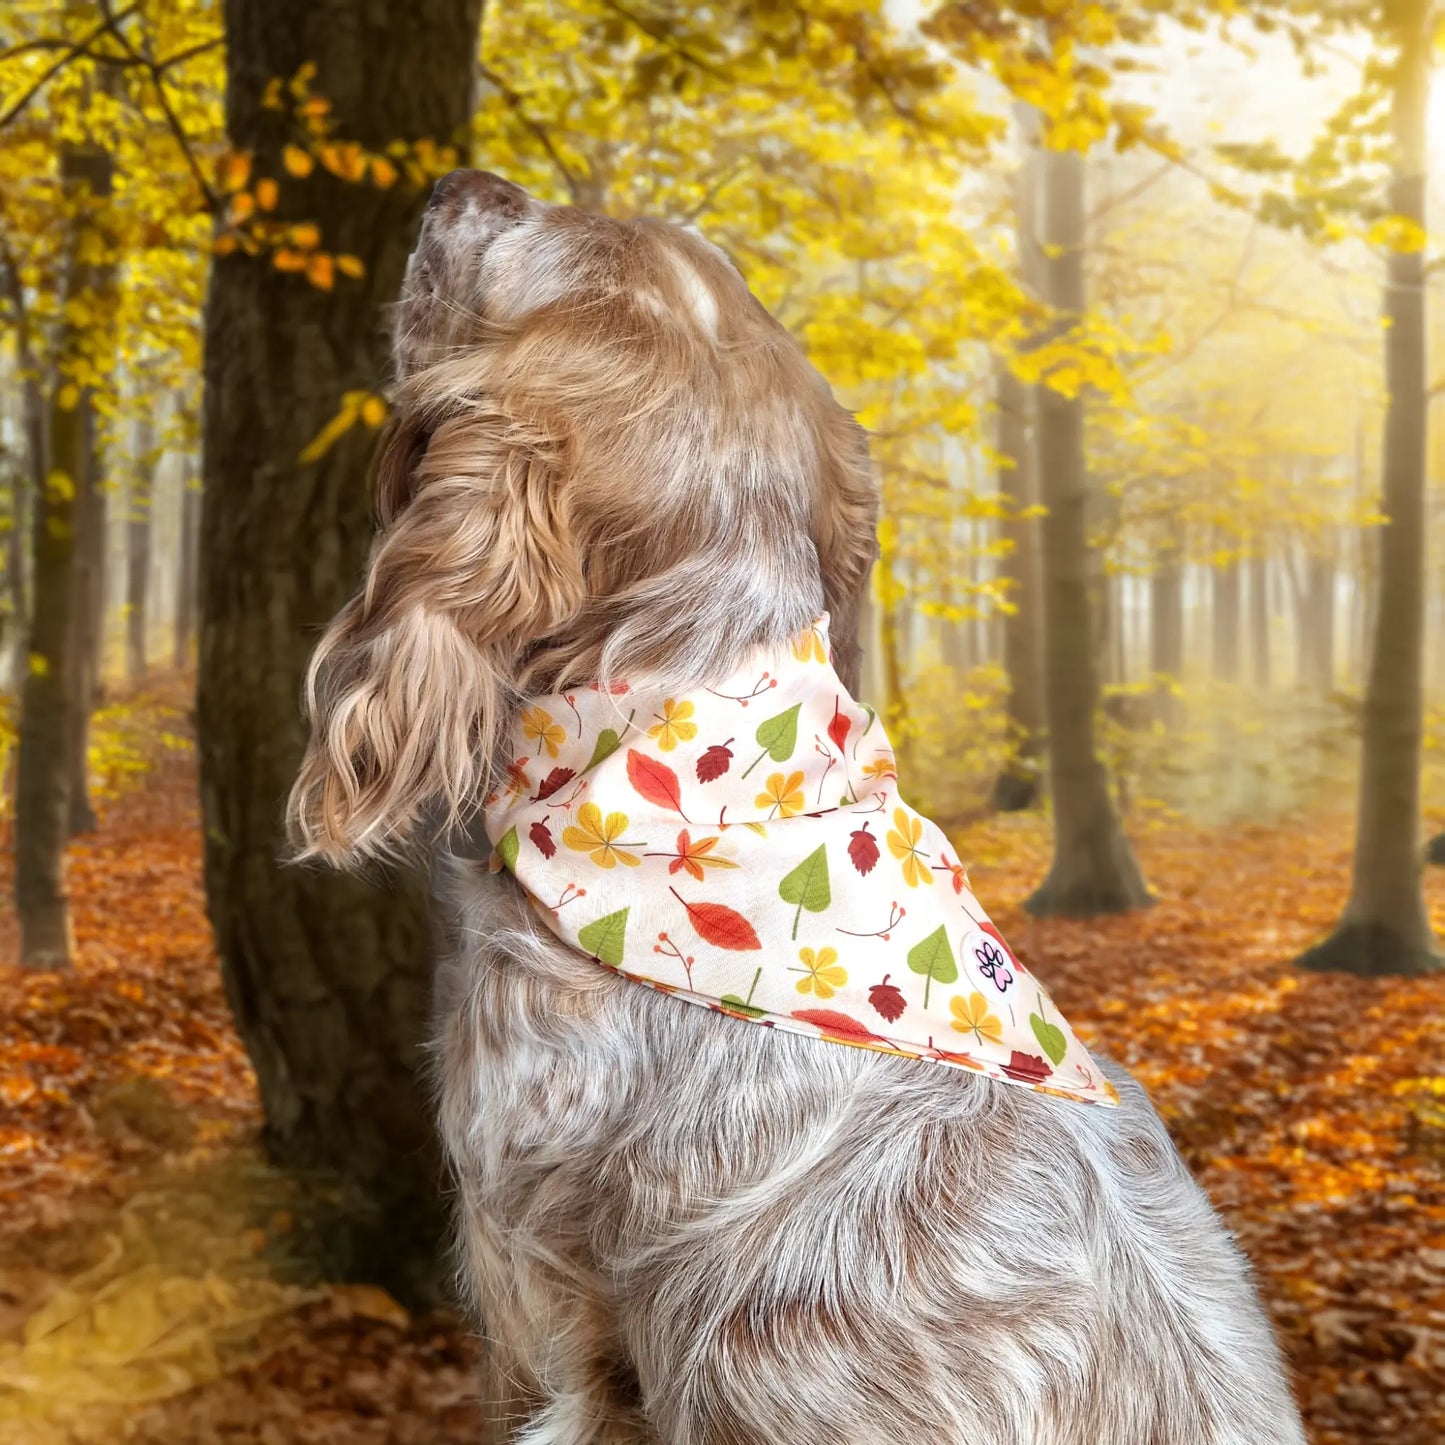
x=184 y=621
x=138 y=550
x=1166 y=631
x=1093 y=870
x=1317 y=623
x=328 y=975
x=1385 y=928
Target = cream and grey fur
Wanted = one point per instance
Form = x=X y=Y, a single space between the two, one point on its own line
x=674 y=1226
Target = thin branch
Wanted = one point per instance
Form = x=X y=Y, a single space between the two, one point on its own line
x=518 y=107
x=54 y=69
x=660 y=35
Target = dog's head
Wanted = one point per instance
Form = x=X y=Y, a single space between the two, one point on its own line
x=606 y=458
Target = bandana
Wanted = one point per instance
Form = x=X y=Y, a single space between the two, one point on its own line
x=743 y=847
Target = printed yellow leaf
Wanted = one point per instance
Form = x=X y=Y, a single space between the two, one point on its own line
x=903 y=840
x=783 y=797
x=597 y=836
x=822 y=974
x=539 y=727
x=971 y=1016
x=296 y=160
x=673 y=726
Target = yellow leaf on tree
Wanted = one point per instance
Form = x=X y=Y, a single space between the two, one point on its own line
x=320 y=271
x=224 y=245
x=383 y=173
x=267 y=194
x=352 y=266
x=374 y=411
x=243 y=207
x=288 y=260
x=66 y=399
x=296 y=160
x=39 y=665
x=307 y=235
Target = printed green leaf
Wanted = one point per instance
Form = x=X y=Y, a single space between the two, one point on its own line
x=745 y=1005
x=507 y=849
x=603 y=937
x=607 y=743
x=933 y=958
x=778 y=737
x=807 y=885
x=867 y=727
x=1051 y=1038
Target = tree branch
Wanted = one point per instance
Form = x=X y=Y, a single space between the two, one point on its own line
x=79 y=48
x=518 y=107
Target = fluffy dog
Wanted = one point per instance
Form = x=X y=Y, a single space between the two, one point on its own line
x=609 y=461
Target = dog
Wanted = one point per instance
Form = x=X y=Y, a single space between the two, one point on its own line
x=608 y=461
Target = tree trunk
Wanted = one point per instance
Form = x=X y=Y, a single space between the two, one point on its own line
x=49 y=715
x=138 y=550
x=1385 y=928
x=1225 y=598
x=1317 y=623
x=1017 y=785
x=1259 y=618
x=1166 y=632
x=87 y=619
x=1093 y=869
x=328 y=975
x=184 y=621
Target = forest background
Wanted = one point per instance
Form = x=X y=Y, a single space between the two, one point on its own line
x=1136 y=301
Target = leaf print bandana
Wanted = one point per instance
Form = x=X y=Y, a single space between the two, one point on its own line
x=745 y=848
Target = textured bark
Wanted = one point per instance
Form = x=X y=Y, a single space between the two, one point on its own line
x=1093 y=869
x=183 y=623
x=1259 y=619
x=328 y=976
x=1385 y=928
x=1317 y=623
x=138 y=551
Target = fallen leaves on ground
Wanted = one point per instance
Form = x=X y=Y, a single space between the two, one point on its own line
x=148 y=1290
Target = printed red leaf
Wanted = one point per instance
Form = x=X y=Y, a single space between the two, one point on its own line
x=833 y=1022
x=1027 y=1068
x=714 y=762
x=886 y=998
x=541 y=835
x=838 y=728
x=720 y=926
x=558 y=778
x=863 y=850
x=654 y=780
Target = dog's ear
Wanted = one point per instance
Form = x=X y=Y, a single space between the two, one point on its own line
x=410 y=683
x=846 y=534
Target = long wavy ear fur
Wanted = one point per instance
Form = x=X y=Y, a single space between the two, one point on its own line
x=410 y=684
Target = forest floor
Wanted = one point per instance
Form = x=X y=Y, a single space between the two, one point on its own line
x=147 y=1283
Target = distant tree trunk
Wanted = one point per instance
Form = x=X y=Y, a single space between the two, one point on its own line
x=1166 y=630
x=328 y=975
x=1317 y=623
x=1259 y=618
x=138 y=550
x=87 y=618
x=1225 y=610
x=1017 y=785
x=184 y=621
x=1385 y=928
x=48 y=704
x=1093 y=869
